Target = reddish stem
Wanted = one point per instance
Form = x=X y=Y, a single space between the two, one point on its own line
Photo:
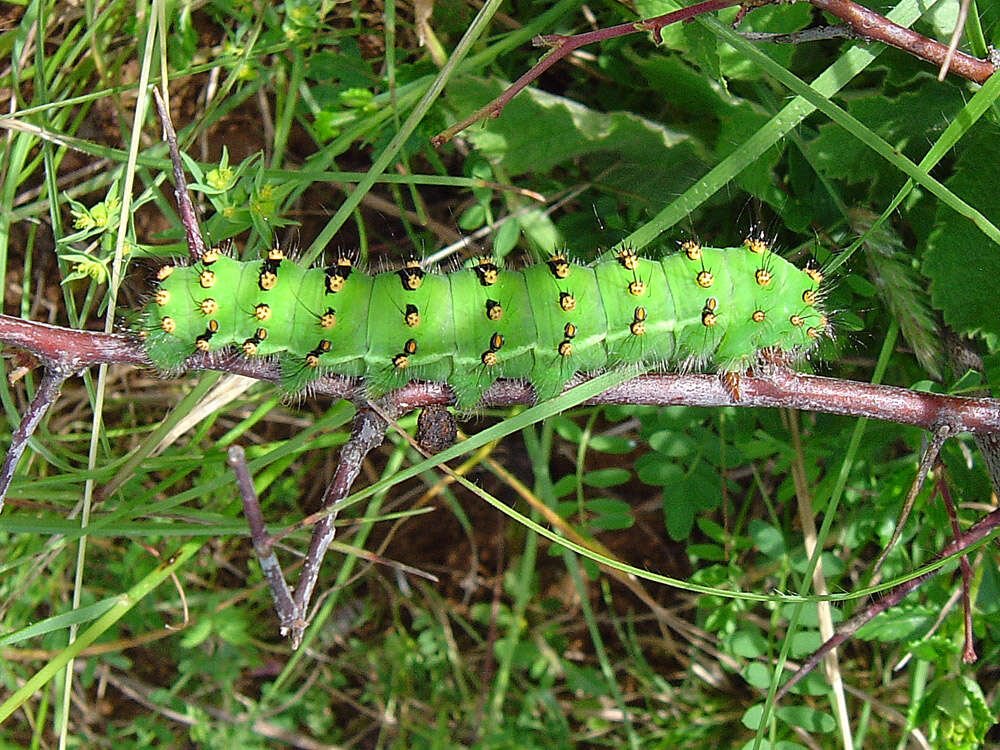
x=941 y=485
x=861 y=20
x=195 y=243
x=874 y=26
x=563 y=45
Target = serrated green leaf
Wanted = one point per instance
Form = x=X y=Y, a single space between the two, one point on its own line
x=694 y=492
x=960 y=261
x=539 y=131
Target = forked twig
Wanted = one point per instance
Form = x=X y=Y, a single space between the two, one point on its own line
x=561 y=46
x=48 y=391
x=262 y=547
x=368 y=433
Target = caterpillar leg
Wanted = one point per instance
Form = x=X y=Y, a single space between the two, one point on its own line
x=436 y=429
x=731 y=382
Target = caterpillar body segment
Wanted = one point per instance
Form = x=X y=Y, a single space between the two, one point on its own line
x=702 y=307
x=495 y=331
x=399 y=314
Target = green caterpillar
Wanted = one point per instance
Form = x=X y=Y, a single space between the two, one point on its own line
x=702 y=306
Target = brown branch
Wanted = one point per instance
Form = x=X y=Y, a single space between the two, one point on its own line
x=877 y=27
x=776 y=386
x=45 y=396
x=861 y=22
x=941 y=486
x=368 y=434
x=259 y=537
x=189 y=218
x=779 y=387
x=70 y=349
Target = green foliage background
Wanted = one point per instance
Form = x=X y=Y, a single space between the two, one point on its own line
x=847 y=151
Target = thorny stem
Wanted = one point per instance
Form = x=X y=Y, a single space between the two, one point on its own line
x=983 y=528
x=860 y=21
x=774 y=386
x=195 y=242
x=563 y=45
x=45 y=396
x=879 y=28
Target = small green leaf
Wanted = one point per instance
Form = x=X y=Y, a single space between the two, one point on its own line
x=898 y=623
x=567 y=429
x=610 y=514
x=86 y=266
x=611 y=444
x=758 y=675
x=711 y=552
x=970 y=381
x=804 y=642
x=473 y=217
x=565 y=485
x=808 y=718
x=506 y=237
x=767 y=539
x=752 y=716
x=748 y=643
x=607 y=477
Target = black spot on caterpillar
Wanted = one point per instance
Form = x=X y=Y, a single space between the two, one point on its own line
x=702 y=307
